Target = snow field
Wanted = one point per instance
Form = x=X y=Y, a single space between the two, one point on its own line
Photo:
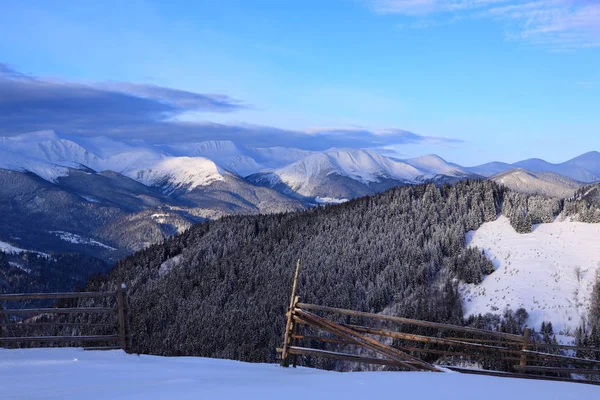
x=549 y=272
x=77 y=374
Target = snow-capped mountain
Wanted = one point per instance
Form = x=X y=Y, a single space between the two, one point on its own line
x=336 y=173
x=436 y=165
x=180 y=172
x=340 y=174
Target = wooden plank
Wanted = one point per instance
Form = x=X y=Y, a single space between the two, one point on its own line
x=526 y=334
x=411 y=349
x=575 y=360
x=349 y=334
x=358 y=341
x=83 y=310
x=531 y=344
x=46 y=296
x=408 y=321
x=100 y=348
x=121 y=318
x=303 y=351
x=484 y=341
x=513 y=375
x=289 y=320
x=483 y=347
x=98 y=338
x=458 y=354
x=322 y=339
x=58 y=324
x=426 y=339
x=564 y=347
x=557 y=370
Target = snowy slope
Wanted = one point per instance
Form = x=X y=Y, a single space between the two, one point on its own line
x=435 y=165
x=224 y=152
x=10 y=249
x=91 y=375
x=180 y=172
x=549 y=272
x=340 y=174
x=542 y=183
x=363 y=165
x=100 y=154
x=584 y=168
x=45 y=170
x=582 y=171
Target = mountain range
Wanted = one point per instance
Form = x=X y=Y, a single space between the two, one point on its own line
x=107 y=198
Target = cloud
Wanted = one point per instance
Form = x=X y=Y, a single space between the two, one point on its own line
x=29 y=103
x=553 y=24
x=136 y=111
x=424 y=7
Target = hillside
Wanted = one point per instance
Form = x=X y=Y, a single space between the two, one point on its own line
x=584 y=168
x=92 y=375
x=541 y=183
x=549 y=272
x=228 y=280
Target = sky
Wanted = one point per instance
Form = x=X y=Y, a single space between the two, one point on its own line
x=470 y=80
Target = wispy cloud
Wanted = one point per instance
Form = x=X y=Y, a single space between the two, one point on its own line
x=136 y=111
x=554 y=24
x=28 y=101
x=585 y=84
x=424 y=7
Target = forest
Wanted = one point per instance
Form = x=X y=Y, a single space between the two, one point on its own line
x=221 y=288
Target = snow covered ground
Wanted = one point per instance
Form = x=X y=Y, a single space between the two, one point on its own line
x=10 y=249
x=74 y=238
x=77 y=374
x=549 y=272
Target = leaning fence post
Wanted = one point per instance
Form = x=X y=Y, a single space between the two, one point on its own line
x=121 y=316
x=526 y=335
x=289 y=325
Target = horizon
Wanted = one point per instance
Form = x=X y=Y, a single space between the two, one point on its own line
x=472 y=82
x=161 y=146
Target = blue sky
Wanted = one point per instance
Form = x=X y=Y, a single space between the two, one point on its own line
x=470 y=80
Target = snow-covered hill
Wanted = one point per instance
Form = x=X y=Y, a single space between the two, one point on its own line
x=339 y=174
x=73 y=374
x=584 y=168
x=180 y=173
x=490 y=169
x=432 y=164
x=541 y=183
x=549 y=272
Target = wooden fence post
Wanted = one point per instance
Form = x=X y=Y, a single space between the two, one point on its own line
x=289 y=325
x=121 y=317
x=526 y=335
x=295 y=331
x=128 y=321
x=2 y=327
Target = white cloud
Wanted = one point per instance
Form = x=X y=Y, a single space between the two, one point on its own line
x=423 y=7
x=553 y=24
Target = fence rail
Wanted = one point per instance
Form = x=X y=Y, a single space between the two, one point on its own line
x=520 y=353
x=120 y=326
x=509 y=347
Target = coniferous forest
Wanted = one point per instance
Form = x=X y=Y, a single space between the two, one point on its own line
x=221 y=289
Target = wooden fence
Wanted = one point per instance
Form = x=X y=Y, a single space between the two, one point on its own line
x=13 y=331
x=522 y=352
